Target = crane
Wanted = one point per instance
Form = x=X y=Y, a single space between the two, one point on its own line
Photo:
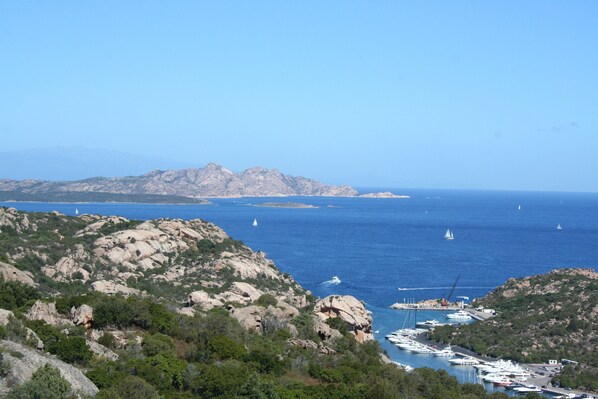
x=445 y=301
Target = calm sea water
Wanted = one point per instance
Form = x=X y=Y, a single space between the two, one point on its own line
x=376 y=246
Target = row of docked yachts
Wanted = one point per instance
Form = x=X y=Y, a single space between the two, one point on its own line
x=404 y=339
x=503 y=373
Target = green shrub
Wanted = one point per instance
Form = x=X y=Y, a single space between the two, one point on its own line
x=71 y=350
x=115 y=312
x=338 y=324
x=13 y=294
x=45 y=383
x=266 y=300
x=222 y=347
x=132 y=387
x=164 y=371
x=155 y=344
x=106 y=375
x=107 y=340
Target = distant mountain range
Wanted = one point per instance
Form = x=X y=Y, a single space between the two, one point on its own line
x=207 y=182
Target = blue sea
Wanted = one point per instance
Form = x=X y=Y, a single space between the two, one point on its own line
x=392 y=250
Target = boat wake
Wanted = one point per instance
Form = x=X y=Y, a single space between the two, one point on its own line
x=437 y=288
x=333 y=281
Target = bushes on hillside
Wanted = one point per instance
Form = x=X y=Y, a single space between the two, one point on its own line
x=13 y=294
x=45 y=383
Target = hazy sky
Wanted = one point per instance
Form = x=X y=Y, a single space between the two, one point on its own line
x=440 y=94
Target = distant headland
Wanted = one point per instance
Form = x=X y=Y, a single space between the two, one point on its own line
x=178 y=186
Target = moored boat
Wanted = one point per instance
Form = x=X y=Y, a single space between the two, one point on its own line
x=459 y=315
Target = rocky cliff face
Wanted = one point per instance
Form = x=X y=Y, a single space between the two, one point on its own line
x=210 y=181
x=350 y=311
x=164 y=257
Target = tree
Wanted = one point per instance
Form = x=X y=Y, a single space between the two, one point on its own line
x=14 y=294
x=113 y=312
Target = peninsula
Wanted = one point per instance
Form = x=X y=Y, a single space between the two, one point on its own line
x=177 y=186
x=211 y=181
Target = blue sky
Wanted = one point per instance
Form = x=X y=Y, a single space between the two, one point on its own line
x=437 y=94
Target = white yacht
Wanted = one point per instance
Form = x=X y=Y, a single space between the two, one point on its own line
x=559 y=227
x=528 y=388
x=429 y=324
x=446 y=352
x=254 y=222
x=460 y=315
x=449 y=235
x=423 y=350
x=464 y=361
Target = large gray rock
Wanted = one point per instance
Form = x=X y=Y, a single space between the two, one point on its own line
x=204 y=300
x=101 y=350
x=112 y=287
x=46 y=312
x=348 y=309
x=82 y=316
x=5 y=316
x=249 y=317
x=22 y=368
x=11 y=273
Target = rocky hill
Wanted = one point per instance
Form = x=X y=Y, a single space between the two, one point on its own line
x=210 y=181
x=548 y=316
x=193 y=264
x=116 y=308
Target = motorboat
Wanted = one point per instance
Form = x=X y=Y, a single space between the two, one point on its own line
x=464 y=361
x=527 y=388
x=446 y=352
x=459 y=315
x=429 y=324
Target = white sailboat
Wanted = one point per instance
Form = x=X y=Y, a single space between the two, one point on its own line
x=254 y=222
x=76 y=211
x=519 y=207
x=559 y=227
x=449 y=235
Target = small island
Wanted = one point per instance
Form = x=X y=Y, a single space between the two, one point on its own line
x=286 y=205
x=385 y=194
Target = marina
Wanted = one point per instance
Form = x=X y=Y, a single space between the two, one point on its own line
x=413 y=349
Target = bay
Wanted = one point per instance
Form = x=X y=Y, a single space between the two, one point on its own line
x=376 y=246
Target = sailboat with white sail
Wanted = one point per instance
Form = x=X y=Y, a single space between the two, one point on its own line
x=559 y=227
x=76 y=211
x=254 y=222
x=449 y=235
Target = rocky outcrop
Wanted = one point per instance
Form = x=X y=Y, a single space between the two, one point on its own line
x=111 y=287
x=324 y=331
x=349 y=310
x=21 y=368
x=46 y=312
x=203 y=300
x=5 y=316
x=82 y=316
x=308 y=344
x=258 y=318
x=101 y=350
x=210 y=181
x=11 y=273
